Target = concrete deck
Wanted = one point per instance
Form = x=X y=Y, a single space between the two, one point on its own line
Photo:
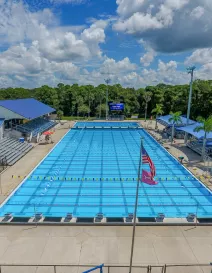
x=109 y=245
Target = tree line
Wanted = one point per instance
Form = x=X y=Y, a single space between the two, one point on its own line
x=88 y=100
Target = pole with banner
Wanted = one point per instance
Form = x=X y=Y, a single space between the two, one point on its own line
x=136 y=205
x=147 y=178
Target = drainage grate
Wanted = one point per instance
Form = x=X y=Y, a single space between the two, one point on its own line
x=146 y=219
x=85 y=220
x=205 y=220
x=52 y=219
x=20 y=220
x=115 y=220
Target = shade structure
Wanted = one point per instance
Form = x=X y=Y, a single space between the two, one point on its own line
x=190 y=129
x=1 y=119
x=25 y=108
x=164 y=120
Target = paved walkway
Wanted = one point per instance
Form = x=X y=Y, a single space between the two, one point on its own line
x=109 y=245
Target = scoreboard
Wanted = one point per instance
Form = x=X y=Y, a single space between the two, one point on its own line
x=116 y=106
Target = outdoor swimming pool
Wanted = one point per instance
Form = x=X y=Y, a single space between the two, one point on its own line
x=94 y=170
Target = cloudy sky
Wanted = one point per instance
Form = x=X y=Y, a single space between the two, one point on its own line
x=133 y=42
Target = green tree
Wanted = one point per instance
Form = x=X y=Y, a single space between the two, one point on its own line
x=175 y=119
x=101 y=110
x=47 y=95
x=83 y=109
x=99 y=98
x=68 y=98
x=59 y=114
x=206 y=126
x=158 y=110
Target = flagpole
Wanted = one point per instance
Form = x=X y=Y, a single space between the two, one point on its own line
x=136 y=205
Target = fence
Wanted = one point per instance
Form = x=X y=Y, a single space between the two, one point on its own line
x=171 y=268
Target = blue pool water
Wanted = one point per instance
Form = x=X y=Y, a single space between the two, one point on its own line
x=94 y=170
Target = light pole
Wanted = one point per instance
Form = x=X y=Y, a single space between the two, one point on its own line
x=107 y=81
x=136 y=206
x=190 y=71
x=147 y=98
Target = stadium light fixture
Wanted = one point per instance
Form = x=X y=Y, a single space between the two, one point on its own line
x=190 y=70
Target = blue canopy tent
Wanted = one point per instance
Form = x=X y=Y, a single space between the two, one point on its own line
x=164 y=120
x=190 y=129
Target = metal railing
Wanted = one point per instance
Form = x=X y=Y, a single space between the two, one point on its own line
x=58 y=268
x=3 y=164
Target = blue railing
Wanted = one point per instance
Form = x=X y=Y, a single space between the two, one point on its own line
x=100 y=267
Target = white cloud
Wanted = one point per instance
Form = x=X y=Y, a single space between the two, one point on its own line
x=41 y=51
x=17 y=24
x=64 y=47
x=28 y=62
x=197 y=12
x=167 y=25
x=61 y=46
x=204 y=72
x=170 y=66
x=126 y=7
x=166 y=73
x=200 y=56
x=148 y=57
x=142 y=21
x=138 y=22
x=110 y=66
x=21 y=66
x=94 y=35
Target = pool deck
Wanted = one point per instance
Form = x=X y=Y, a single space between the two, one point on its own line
x=109 y=245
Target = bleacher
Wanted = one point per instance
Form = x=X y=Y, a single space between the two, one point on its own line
x=12 y=150
x=177 y=134
x=36 y=126
x=196 y=146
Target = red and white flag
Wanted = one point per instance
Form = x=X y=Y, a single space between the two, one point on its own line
x=148 y=177
x=147 y=160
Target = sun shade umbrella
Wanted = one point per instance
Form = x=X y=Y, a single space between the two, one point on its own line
x=48 y=133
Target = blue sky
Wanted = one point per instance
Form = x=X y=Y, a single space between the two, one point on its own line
x=133 y=42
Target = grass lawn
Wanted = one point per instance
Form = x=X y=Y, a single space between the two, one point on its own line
x=94 y=118
x=77 y=118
